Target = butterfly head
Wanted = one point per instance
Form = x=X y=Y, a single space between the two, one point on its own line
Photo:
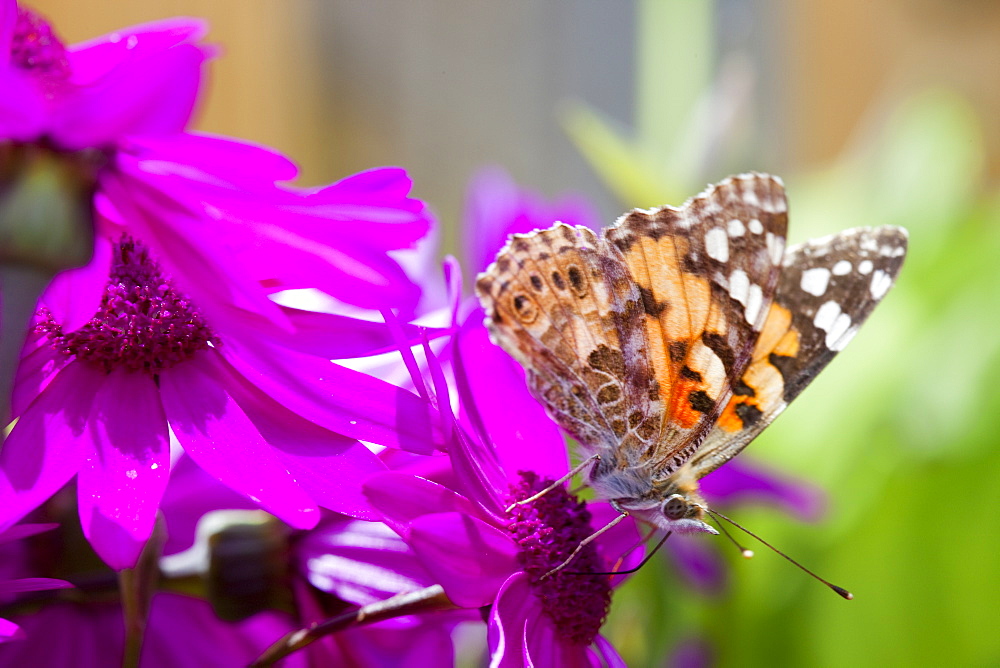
x=677 y=511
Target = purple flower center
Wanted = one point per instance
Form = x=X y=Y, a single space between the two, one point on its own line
x=36 y=47
x=143 y=323
x=548 y=530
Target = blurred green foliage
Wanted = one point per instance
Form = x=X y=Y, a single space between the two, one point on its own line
x=902 y=430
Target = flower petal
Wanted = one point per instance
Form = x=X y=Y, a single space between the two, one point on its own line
x=150 y=95
x=470 y=558
x=221 y=439
x=32 y=584
x=120 y=485
x=39 y=365
x=361 y=562
x=524 y=436
x=23 y=114
x=740 y=481
x=9 y=631
x=515 y=603
x=402 y=498
x=49 y=443
x=328 y=466
x=95 y=58
x=340 y=399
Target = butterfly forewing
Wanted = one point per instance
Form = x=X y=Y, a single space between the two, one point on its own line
x=828 y=287
x=706 y=273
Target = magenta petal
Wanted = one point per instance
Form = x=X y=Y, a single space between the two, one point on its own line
x=402 y=498
x=8 y=19
x=332 y=336
x=22 y=531
x=328 y=466
x=741 y=481
x=609 y=655
x=343 y=400
x=524 y=436
x=22 y=108
x=244 y=165
x=121 y=484
x=221 y=439
x=9 y=630
x=32 y=584
x=152 y=95
x=360 y=562
x=49 y=443
x=95 y=58
x=35 y=371
x=515 y=603
x=470 y=558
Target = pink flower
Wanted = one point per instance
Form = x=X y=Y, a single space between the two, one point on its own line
x=273 y=423
x=484 y=556
x=170 y=332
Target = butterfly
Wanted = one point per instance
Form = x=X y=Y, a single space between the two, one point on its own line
x=665 y=345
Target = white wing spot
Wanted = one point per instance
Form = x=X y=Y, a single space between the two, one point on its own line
x=736 y=228
x=837 y=330
x=754 y=301
x=775 y=248
x=881 y=282
x=739 y=286
x=842 y=342
x=865 y=267
x=826 y=315
x=842 y=268
x=755 y=226
x=716 y=244
x=815 y=281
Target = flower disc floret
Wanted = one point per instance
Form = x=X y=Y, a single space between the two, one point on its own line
x=143 y=322
x=547 y=531
x=36 y=47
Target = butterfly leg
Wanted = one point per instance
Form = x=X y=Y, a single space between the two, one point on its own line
x=534 y=497
x=583 y=543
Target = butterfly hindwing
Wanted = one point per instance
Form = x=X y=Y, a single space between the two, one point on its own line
x=562 y=303
x=828 y=287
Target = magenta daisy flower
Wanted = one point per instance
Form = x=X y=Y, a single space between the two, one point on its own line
x=101 y=402
x=483 y=555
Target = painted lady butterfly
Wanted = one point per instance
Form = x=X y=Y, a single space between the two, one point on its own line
x=671 y=341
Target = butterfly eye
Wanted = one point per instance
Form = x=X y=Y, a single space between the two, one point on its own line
x=674 y=507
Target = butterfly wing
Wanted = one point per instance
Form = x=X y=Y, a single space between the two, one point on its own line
x=562 y=303
x=828 y=287
x=706 y=273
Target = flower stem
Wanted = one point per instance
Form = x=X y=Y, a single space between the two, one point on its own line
x=137 y=586
x=431 y=599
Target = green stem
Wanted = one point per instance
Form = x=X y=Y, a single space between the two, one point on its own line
x=431 y=599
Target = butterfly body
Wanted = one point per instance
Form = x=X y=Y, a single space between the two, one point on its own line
x=666 y=344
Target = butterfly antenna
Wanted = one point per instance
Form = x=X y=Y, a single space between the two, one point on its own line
x=631 y=570
x=840 y=590
x=747 y=554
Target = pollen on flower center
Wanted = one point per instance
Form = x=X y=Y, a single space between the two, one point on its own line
x=36 y=47
x=547 y=531
x=143 y=323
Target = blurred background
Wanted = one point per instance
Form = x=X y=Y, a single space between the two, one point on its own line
x=873 y=113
